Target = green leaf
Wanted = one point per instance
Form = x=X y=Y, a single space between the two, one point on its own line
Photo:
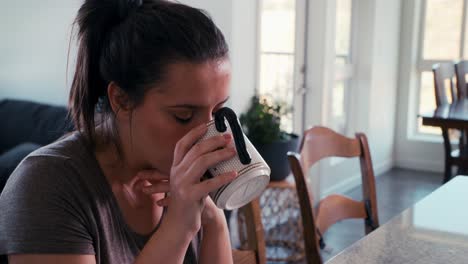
x=261 y=122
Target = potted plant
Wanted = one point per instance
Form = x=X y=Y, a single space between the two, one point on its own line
x=262 y=125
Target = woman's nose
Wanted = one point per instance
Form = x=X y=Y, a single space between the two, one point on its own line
x=207 y=117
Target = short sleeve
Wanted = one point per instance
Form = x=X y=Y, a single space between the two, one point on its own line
x=41 y=210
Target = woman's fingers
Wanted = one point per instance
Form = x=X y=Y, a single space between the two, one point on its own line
x=187 y=141
x=152 y=181
x=205 y=187
x=205 y=146
x=159 y=187
x=152 y=175
x=209 y=160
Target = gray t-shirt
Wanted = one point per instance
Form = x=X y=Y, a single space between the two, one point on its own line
x=58 y=201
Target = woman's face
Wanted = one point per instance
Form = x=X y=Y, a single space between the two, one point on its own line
x=187 y=97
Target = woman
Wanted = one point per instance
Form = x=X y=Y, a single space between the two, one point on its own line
x=149 y=75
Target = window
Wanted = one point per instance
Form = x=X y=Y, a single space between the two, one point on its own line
x=277 y=53
x=443 y=38
x=343 y=66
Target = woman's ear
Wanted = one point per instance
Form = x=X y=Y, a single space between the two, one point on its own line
x=119 y=100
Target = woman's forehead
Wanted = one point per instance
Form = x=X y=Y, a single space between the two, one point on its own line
x=195 y=84
x=188 y=72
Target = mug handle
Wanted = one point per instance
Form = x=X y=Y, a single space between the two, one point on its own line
x=231 y=117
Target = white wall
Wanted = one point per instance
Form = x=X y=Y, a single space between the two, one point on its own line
x=243 y=53
x=384 y=83
x=33 y=49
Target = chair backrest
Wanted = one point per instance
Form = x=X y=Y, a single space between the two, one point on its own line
x=310 y=234
x=244 y=257
x=319 y=143
x=444 y=73
x=283 y=228
x=254 y=251
x=461 y=70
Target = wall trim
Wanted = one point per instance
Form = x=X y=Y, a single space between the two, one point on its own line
x=422 y=165
x=355 y=180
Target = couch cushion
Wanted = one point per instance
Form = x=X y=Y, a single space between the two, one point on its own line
x=24 y=121
x=10 y=159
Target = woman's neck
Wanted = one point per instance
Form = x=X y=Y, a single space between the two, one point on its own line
x=138 y=209
x=117 y=167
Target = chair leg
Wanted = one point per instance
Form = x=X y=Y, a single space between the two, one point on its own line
x=447 y=172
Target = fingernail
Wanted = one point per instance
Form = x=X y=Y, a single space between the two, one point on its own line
x=227 y=137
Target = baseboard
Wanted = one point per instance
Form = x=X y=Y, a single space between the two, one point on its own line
x=355 y=180
x=383 y=167
x=422 y=165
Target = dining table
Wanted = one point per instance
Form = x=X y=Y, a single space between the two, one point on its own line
x=453 y=115
x=434 y=230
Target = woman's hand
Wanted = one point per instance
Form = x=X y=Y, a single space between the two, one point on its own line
x=212 y=216
x=216 y=243
x=187 y=194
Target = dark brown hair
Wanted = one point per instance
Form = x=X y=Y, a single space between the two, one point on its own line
x=131 y=43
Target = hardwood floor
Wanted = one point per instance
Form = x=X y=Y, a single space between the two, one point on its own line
x=397 y=190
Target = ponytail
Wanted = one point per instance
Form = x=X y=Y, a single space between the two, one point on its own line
x=95 y=20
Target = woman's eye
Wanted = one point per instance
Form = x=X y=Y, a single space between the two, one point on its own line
x=183 y=118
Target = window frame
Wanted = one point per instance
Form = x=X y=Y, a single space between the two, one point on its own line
x=345 y=73
x=425 y=65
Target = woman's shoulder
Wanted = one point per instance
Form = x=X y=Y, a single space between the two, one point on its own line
x=69 y=146
x=48 y=180
x=45 y=197
x=58 y=163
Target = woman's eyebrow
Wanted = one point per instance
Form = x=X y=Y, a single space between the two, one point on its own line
x=224 y=101
x=193 y=106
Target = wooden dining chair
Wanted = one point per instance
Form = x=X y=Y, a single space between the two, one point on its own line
x=444 y=83
x=317 y=144
x=445 y=93
x=251 y=232
x=281 y=222
x=461 y=70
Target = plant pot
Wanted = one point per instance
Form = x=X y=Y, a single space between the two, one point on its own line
x=275 y=155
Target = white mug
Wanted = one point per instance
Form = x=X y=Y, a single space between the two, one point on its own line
x=253 y=171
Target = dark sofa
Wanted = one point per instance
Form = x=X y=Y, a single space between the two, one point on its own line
x=25 y=127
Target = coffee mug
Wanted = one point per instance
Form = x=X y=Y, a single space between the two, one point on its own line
x=253 y=172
